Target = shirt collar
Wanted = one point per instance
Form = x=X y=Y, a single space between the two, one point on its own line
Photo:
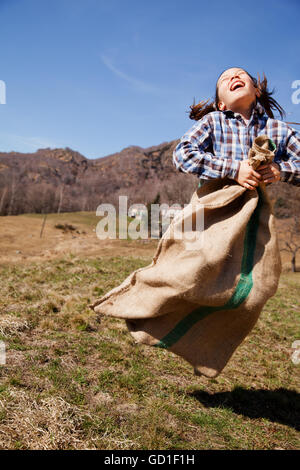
x=257 y=111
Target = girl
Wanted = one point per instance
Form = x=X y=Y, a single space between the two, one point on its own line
x=217 y=146
x=201 y=302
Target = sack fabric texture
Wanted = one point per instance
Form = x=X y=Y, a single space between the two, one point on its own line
x=204 y=289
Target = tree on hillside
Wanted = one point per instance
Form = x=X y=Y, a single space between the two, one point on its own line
x=2 y=198
x=12 y=195
x=290 y=240
x=156 y=200
x=61 y=192
x=179 y=188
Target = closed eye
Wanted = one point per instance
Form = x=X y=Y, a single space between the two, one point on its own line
x=240 y=72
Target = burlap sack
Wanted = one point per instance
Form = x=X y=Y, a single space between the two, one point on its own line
x=200 y=301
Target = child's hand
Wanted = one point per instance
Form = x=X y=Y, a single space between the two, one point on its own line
x=270 y=172
x=248 y=177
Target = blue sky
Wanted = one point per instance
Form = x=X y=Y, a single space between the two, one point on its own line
x=98 y=76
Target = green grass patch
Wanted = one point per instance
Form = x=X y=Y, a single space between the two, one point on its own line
x=83 y=382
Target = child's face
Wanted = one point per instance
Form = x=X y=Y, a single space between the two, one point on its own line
x=236 y=89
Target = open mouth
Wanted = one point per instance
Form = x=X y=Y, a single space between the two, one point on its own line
x=237 y=84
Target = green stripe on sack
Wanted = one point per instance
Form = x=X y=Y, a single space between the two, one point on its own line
x=240 y=294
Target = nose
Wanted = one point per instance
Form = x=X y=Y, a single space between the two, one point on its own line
x=234 y=76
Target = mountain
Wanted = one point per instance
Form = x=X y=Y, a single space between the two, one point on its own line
x=63 y=180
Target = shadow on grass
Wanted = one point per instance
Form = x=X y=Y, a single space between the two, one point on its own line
x=279 y=406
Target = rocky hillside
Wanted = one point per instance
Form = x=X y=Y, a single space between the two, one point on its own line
x=62 y=180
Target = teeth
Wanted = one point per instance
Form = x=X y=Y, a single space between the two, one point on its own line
x=236 y=85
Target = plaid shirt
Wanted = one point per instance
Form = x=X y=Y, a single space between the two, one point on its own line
x=217 y=143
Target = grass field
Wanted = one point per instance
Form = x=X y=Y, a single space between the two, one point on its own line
x=72 y=382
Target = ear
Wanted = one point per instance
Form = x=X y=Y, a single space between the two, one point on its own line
x=221 y=106
x=257 y=92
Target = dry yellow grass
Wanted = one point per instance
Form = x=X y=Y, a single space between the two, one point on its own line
x=20 y=238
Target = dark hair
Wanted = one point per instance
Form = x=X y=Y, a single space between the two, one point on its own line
x=265 y=99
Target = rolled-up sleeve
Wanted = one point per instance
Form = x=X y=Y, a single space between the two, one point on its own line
x=194 y=154
x=290 y=167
